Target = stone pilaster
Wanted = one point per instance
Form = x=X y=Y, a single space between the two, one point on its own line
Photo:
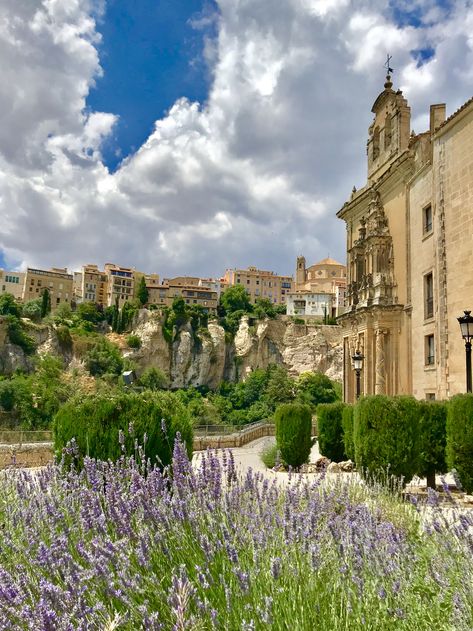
x=380 y=381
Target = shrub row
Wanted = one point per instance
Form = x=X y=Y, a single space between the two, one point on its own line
x=401 y=435
x=105 y=426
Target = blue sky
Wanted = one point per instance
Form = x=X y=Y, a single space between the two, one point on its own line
x=250 y=170
x=151 y=55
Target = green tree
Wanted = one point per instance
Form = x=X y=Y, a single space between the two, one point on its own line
x=280 y=387
x=63 y=314
x=142 y=293
x=32 y=310
x=18 y=336
x=264 y=308
x=432 y=439
x=234 y=299
x=89 y=312
x=460 y=438
x=153 y=379
x=386 y=437
x=45 y=302
x=96 y=422
x=314 y=388
x=330 y=430
x=104 y=358
x=293 y=433
x=347 y=425
x=126 y=316
x=9 y=306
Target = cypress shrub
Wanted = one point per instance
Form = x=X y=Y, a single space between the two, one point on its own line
x=432 y=439
x=386 y=436
x=460 y=438
x=95 y=422
x=347 y=427
x=330 y=432
x=293 y=433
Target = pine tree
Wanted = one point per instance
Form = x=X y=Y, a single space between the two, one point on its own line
x=45 y=303
x=143 y=293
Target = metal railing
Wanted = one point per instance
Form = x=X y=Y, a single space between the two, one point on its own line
x=21 y=437
x=204 y=431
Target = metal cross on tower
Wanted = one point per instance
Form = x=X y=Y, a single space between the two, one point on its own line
x=388 y=61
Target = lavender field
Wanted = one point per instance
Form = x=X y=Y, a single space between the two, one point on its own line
x=125 y=546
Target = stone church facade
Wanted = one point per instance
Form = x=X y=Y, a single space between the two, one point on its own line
x=410 y=253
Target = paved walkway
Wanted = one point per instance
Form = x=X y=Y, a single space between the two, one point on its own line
x=249 y=457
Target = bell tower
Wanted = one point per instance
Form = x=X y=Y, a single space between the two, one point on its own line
x=390 y=130
x=300 y=271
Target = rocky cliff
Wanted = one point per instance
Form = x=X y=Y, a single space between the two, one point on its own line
x=209 y=356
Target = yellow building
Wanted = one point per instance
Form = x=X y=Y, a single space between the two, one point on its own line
x=12 y=283
x=261 y=284
x=193 y=294
x=56 y=280
x=94 y=284
x=120 y=284
x=409 y=254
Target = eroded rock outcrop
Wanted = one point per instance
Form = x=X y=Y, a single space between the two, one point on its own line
x=207 y=357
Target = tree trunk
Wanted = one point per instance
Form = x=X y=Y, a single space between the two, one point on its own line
x=431 y=480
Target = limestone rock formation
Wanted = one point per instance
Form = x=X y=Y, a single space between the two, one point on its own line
x=208 y=356
x=297 y=347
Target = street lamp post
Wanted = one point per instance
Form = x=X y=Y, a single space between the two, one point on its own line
x=466 y=326
x=358 y=365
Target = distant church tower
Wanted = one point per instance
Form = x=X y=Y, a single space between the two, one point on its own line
x=390 y=131
x=300 y=271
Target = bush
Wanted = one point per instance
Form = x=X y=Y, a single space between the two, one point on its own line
x=330 y=431
x=89 y=312
x=293 y=433
x=386 y=436
x=154 y=379
x=347 y=426
x=270 y=456
x=432 y=440
x=18 y=336
x=32 y=310
x=9 y=306
x=133 y=341
x=460 y=438
x=95 y=422
x=64 y=337
x=104 y=357
x=314 y=388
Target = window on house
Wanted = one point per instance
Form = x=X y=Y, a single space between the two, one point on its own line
x=430 y=396
x=428 y=296
x=429 y=350
x=427 y=219
x=248 y=282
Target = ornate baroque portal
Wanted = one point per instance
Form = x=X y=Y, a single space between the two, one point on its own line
x=374 y=315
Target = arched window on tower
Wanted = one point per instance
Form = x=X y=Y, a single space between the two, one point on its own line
x=387 y=131
x=375 y=143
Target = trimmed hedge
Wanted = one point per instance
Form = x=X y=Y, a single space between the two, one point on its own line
x=386 y=436
x=432 y=439
x=460 y=438
x=330 y=431
x=95 y=422
x=293 y=433
x=347 y=427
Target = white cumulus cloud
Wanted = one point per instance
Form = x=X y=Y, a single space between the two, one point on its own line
x=253 y=176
